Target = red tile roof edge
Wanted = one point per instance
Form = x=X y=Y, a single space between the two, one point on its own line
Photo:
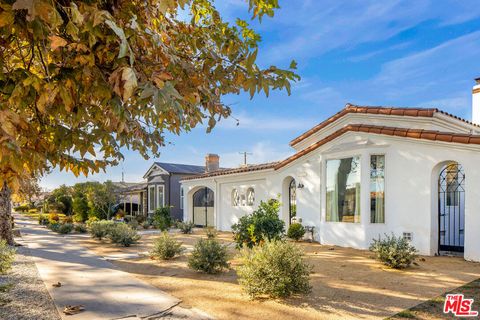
x=249 y=168
x=394 y=111
x=391 y=131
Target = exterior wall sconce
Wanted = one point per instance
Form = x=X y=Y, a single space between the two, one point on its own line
x=300 y=185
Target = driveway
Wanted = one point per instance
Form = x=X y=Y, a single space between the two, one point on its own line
x=89 y=280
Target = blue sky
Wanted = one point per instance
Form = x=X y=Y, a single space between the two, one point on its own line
x=398 y=53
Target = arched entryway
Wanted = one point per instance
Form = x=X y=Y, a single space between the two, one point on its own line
x=451 y=208
x=203 y=207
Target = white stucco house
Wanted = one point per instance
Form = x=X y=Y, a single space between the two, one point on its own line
x=364 y=172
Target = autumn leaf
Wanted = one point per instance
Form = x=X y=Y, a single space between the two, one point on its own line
x=57 y=42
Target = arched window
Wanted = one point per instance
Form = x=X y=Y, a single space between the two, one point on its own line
x=235 y=198
x=292 y=204
x=250 y=197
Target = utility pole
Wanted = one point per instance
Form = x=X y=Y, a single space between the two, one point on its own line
x=245 y=153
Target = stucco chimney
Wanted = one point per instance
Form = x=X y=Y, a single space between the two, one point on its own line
x=212 y=162
x=476 y=102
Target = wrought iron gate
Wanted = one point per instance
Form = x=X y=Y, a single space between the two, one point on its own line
x=451 y=208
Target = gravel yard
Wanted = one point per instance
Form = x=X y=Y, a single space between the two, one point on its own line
x=23 y=295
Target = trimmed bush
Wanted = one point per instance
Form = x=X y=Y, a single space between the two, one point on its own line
x=162 y=219
x=394 y=252
x=146 y=224
x=140 y=219
x=53 y=218
x=7 y=256
x=123 y=234
x=54 y=226
x=186 y=227
x=80 y=228
x=65 y=228
x=274 y=269
x=43 y=219
x=296 y=231
x=22 y=208
x=133 y=224
x=100 y=229
x=166 y=247
x=262 y=224
x=209 y=256
x=32 y=210
x=211 y=232
x=92 y=220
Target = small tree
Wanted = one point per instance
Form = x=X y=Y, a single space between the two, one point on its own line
x=162 y=218
x=263 y=223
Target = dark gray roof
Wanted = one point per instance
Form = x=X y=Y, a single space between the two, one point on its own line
x=181 y=168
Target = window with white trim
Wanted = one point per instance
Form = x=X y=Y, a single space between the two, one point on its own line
x=151 y=198
x=160 y=196
x=181 y=197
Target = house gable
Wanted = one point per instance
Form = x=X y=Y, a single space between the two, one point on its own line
x=411 y=118
x=155 y=170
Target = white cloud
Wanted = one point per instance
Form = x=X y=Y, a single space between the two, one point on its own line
x=331 y=24
x=262 y=123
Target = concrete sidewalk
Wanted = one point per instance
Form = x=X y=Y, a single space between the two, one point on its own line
x=89 y=280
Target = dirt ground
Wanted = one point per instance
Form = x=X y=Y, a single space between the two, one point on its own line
x=347 y=283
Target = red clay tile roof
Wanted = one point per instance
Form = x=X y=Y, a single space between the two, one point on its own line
x=350 y=108
x=391 y=131
x=256 y=167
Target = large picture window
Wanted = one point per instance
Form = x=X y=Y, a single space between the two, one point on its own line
x=377 y=189
x=343 y=190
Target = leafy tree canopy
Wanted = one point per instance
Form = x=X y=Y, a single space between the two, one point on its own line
x=82 y=79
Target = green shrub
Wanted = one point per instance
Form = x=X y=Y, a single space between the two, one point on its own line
x=133 y=224
x=123 y=234
x=146 y=224
x=394 y=252
x=166 y=247
x=78 y=218
x=7 y=256
x=54 y=226
x=53 y=218
x=22 y=208
x=80 y=228
x=211 y=232
x=43 y=219
x=162 y=219
x=296 y=231
x=100 y=229
x=92 y=220
x=185 y=227
x=32 y=210
x=209 y=256
x=262 y=224
x=275 y=269
x=65 y=228
x=140 y=219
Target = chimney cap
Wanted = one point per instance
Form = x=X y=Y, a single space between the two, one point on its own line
x=477 y=80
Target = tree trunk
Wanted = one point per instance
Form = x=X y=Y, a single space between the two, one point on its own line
x=6 y=214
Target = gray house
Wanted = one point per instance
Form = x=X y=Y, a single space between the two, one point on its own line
x=161 y=188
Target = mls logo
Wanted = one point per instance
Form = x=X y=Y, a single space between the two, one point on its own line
x=459 y=306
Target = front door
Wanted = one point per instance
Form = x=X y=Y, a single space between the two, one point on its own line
x=451 y=208
x=203 y=205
